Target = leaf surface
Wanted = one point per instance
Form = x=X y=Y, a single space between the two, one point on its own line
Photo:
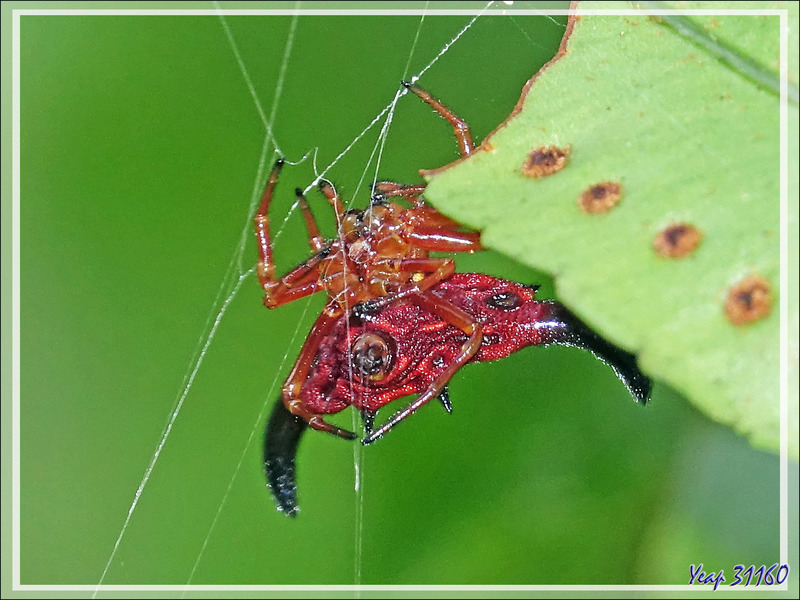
x=687 y=127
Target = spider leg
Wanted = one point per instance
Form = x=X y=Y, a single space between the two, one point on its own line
x=438 y=239
x=427 y=216
x=297 y=377
x=461 y=129
x=392 y=188
x=429 y=230
x=266 y=265
x=315 y=240
x=333 y=197
x=389 y=189
x=455 y=316
x=302 y=280
x=438 y=269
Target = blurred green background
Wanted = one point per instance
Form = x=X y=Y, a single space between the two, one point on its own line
x=140 y=150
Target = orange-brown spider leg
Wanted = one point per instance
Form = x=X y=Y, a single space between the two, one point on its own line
x=437 y=239
x=266 y=266
x=392 y=188
x=333 y=197
x=432 y=234
x=437 y=269
x=299 y=374
x=428 y=216
x=389 y=189
x=315 y=240
x=454 y=316
x=461 y=129
x=301 y=281
x=295 y=292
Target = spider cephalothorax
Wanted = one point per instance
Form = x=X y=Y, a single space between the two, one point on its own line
x=400 y=349
x=380 y=255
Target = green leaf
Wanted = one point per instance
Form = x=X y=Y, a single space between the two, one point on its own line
x=683 y=115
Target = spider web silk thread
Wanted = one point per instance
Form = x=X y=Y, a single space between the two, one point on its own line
x=205 y=342
x=240 y=251
x=249 y=82
x=387 y=111
x=176 y=411
x=199 y=356
x=358 y=456
x=358 y=449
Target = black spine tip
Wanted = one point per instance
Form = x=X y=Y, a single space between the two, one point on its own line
x=406 y=84
x=298 y=192
x=444 y=398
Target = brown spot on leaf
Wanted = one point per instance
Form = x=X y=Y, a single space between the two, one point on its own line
x=600 y=197
x=749 y=300
x=545 y=161
x=677 y=240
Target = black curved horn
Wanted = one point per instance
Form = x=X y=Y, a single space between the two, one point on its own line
x=568 y=330
x=282 y=437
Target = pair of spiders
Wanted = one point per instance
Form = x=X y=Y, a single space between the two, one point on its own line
x=398 y=321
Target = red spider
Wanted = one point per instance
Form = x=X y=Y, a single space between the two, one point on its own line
x=381 y=254
x=403 y=348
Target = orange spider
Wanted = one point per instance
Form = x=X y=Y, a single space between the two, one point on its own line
x=381 y=254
